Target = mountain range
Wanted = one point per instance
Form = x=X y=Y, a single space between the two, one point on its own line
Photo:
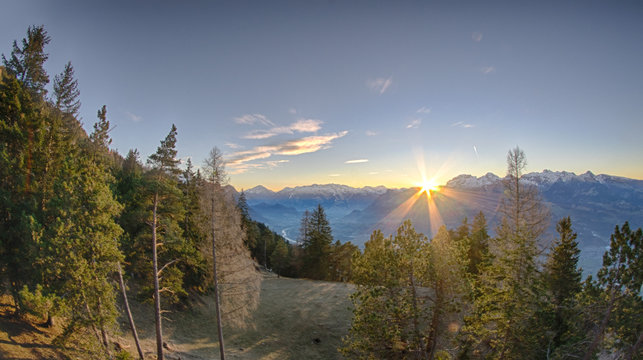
x=595 y=203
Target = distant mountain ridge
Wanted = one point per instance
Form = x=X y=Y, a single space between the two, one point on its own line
x=596 y=204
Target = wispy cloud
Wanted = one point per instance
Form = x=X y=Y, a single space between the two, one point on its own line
x=233 y=145
x=370 y=133
x=462 y=125
x=424 y=110
x=134 y=117
x=356 y=161
x=380 y=85
x=334 y=175
x=475 y=150
x=251 y=119
x=488 y=70
x=292 y=111
x=301 y=125
x=239 y=161
x=373 y=172
x=414 y=124
x=476 y=36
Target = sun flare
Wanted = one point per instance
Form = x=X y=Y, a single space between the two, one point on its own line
x=427 y=186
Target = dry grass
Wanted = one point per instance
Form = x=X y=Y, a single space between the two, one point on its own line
x=296 y=319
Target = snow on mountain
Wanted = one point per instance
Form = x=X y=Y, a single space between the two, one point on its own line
x=470 y=181
x=543 y=180
x=259 y=190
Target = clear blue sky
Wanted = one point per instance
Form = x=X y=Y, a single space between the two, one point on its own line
x=357 y=92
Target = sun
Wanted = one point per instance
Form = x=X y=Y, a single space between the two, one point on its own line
x=427 y=186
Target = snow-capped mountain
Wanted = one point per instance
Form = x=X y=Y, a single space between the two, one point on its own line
x=596 y=204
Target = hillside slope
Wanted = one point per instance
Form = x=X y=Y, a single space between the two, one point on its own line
x=296 y=319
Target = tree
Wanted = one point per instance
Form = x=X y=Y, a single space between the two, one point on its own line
x=317 y=244
x=478 y=254
x=341 y=258
x=236 y=284
x=563 y=281
x=279 y=257
x=164 y=171
x=66 y=92
x=509 y=294
x=405 y=288
x=26 y=62
x=620 y=280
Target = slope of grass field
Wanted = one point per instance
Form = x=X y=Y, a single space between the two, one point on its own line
x=296 y=319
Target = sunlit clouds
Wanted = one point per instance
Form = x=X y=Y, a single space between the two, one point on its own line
x=356 y=161
x=239 y=162
x=301 y=126
x=379 y=85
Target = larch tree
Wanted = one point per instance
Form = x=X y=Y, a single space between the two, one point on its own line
x=510 y=293
x=66 y=93
x=317 y=245
x=236 y=283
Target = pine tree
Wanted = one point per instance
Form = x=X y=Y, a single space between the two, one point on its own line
x=279 y=257
x=26 y=63
x=478 y=254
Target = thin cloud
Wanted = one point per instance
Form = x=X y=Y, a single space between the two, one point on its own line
x=475 y=150
x=239 y=161
x=134 y=117
x=301 y=126
x=380 y=85
x=292 y=111
x=251 y=119
x=370 y=133
x=424 y=110
x=233 y=145
x=373 y=172
x=414 y=124
x=462 y=125
x=476 y=36
x=488 y=70
x=356 y=161
x=334 y=175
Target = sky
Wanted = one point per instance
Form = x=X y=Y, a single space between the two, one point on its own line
x=357 y=92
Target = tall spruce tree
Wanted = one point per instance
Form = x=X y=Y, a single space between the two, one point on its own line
x=563 y=282
x=317 y=245
x=66 y=92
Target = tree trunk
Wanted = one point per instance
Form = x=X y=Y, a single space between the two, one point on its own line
x=216 y=284
x=157 y=298
x=129 y=313
x=435 y=322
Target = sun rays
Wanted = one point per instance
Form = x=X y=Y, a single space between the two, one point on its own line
x=428 y=201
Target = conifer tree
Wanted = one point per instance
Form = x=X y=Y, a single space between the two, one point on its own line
x=26 y=63
x=66 y=92
x=317 y=245
x=563 y=281
x=620 y=280
x=478 y=254
x=509 y=294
